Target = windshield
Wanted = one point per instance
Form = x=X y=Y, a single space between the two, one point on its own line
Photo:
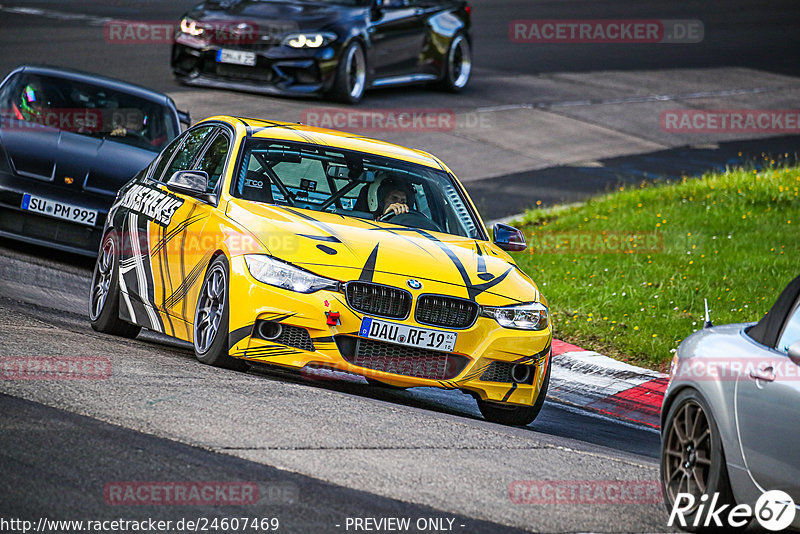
x=87 y=110
x=353 y=184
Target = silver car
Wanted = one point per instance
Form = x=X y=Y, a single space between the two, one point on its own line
x=731 y=416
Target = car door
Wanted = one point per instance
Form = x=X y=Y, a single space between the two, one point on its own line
x=768 y=413
x=184 y=250
x=397 y=38
x=153 y=232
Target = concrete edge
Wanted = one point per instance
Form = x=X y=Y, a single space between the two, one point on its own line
x=597 y=383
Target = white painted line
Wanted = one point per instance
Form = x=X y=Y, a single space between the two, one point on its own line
x=58 y=15
x=639 y=99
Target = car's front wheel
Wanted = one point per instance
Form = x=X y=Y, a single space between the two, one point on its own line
x=211 y=319
x=104 y=296
x=507 y=414
x=692 y=459
x=458 y=66
x=351 y=75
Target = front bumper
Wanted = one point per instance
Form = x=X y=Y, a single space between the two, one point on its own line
x=278 y=70
x=31 y=227
x=480 y=363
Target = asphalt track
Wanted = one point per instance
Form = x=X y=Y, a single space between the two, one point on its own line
x=162 y=416
x=343 y=449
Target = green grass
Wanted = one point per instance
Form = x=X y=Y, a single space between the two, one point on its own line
x=733 y=238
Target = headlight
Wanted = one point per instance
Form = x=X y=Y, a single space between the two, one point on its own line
x=532 y=316
x=309 y=40
x=273 y=272
x=192 y=27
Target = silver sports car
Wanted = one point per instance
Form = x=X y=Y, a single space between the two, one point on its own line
x=731 y=419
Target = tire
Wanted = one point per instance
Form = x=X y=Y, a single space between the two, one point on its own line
x=512 y=415
x=351 y=75
x=104 y=292
x=210 y=335
x=693 y=453
x=458 y=64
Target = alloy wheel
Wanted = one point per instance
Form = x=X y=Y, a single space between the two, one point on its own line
x=460 y=62
x=101 y=280
x=687 y=453
x=356 y=71
x=210 y=309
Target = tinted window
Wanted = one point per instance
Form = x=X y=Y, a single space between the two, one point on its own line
x=165 y=158
x=213 y=160
x=187 y=154
x=88 y=109
x=791 y=332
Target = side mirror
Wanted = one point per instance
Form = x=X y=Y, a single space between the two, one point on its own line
x=190 y=183
x=509 y=238
x=794 y=352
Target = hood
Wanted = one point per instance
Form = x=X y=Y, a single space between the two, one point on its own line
x=347 y=248
x=289 y=15
x=94 y=164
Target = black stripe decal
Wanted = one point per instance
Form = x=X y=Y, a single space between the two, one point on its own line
x=368 y=272
x=180 y=294
x=161 y=263
x=239 y=334
x=325 y=238
x=510 y=391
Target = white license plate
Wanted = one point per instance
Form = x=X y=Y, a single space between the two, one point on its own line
x=237 y=57
x=59 y=210
x=411 y=336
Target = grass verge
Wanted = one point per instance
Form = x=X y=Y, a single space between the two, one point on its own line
x=626 y=273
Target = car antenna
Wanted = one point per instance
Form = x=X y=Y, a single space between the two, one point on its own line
x=708 y=323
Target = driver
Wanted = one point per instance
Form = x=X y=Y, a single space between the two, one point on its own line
x=31 y=103
x=393 y=196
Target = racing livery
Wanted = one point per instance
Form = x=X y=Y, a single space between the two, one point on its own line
x=288 y=245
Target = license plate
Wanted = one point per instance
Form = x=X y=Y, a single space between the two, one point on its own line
x=59 y=210
x=237 y=57
x=411 y=336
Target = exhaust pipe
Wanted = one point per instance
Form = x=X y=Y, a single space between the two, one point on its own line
x=269 y=331
x=521 y=373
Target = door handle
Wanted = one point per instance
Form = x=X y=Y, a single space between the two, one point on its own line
x=764 y=374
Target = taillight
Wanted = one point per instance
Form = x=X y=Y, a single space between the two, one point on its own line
x=468 y=10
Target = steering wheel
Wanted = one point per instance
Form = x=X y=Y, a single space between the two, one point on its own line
x=412 y=218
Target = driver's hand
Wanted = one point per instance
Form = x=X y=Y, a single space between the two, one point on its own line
x=119 y=131
x=396 y=208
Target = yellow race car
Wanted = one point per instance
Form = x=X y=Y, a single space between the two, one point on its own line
x=288 y=245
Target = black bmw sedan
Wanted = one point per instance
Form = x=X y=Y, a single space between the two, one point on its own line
x=337 y=48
